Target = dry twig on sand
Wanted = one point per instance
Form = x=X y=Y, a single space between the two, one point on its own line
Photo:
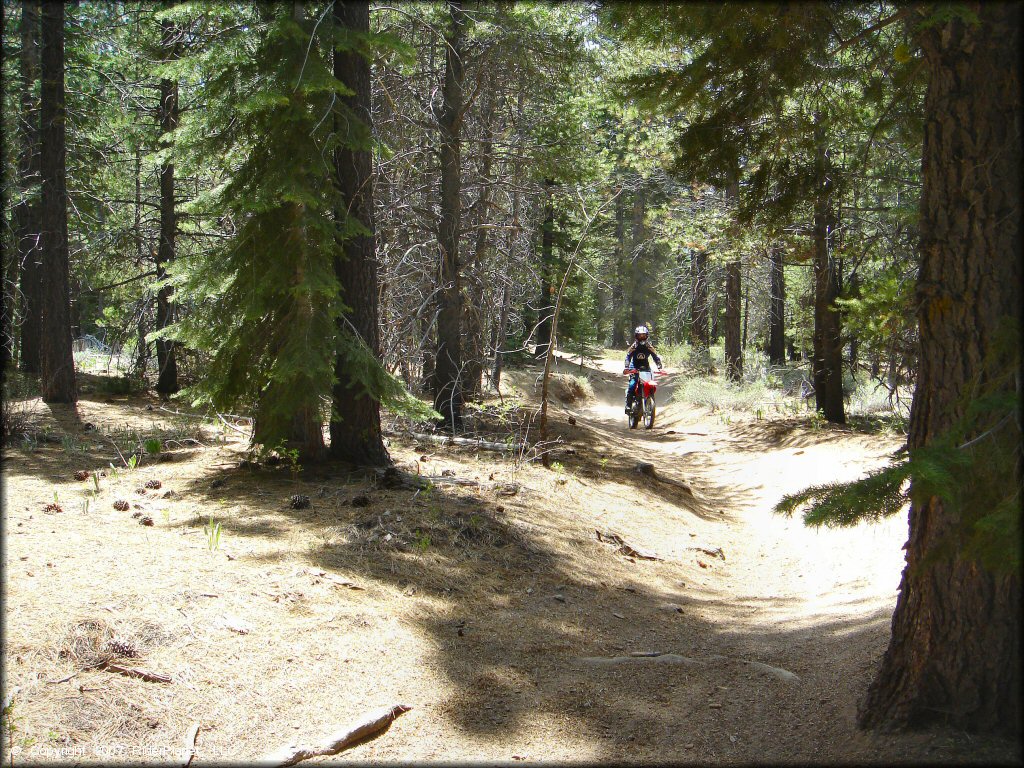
x=149 y=677
x=337 y=741
x=624 y=548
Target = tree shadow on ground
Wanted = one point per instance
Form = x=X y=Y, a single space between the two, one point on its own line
x=526 y=628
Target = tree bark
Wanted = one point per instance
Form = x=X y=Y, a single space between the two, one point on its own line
x=448 y=395
x=26 y=221
x=733 y=297
x=638 y=306
x=473 y=314
x=167 y=366
x=619 y=335
x=546 y=308
x=57 y=364
x=142 y=347
x=499 y=338
x=776 y=308
x=827 y=361
x=954 y=654
x=699 y=320
x=6 y=262
x=355 y=417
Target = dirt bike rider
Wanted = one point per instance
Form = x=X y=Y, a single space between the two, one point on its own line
x=638 y=357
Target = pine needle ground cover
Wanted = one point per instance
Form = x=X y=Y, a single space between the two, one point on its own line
x=483 y=599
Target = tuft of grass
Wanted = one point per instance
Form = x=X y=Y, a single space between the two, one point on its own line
x=212 y=530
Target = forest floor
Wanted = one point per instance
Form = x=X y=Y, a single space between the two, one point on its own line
x=487 y=602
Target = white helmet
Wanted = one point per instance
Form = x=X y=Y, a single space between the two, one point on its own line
x=641 y=330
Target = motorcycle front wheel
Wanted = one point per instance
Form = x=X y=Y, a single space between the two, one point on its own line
x=649 y=410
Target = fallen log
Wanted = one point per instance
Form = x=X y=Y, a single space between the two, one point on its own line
x=372 y=723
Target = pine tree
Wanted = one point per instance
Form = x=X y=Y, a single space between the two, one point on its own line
x=57 y=363
x=355 y=420
x=268 y=299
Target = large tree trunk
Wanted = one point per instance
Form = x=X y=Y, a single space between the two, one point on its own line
x=448 y=396
x=776 y=308
x=6 y=262
x=57 y=364
x=733 y=297
x=501 y=330
x=638 y=308
x=167 y=376
x=954 y=656
x=546 y=308
x=142 y=347
x=619 y=335
x=26 y=214
x=699 y=320
x=473 y=315
x=828 y=347
x=355 y=415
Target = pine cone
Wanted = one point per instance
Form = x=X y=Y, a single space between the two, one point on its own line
x=81 y=475
x=298 y=501
x=154 y=484
x=122 y=646
x=121 y=505
x=52 y=509
x=147 y=520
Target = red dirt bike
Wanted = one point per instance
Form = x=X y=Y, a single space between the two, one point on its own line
x=643 y=397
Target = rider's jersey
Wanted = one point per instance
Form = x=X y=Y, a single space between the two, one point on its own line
x=639 y=353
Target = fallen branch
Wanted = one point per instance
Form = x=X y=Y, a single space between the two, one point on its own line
x=710 y=552
x=336 y=580
x=372 y=723
x=484 y=445
x=75 y=673
x=149 y=677
x=624 y=548
x=229 y=425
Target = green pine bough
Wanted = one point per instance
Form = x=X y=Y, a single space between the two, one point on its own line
x=266 y=304
x=972 y=469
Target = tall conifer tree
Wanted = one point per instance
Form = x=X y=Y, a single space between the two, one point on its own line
x=268 y=297
x=355 y=416
x=57 y=363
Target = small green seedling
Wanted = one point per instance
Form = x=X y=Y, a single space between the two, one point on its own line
x=212 y=535
x=152 y=446
x=422 y=541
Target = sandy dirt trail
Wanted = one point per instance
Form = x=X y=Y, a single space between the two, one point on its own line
x=515 y=633
x=799 y=617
